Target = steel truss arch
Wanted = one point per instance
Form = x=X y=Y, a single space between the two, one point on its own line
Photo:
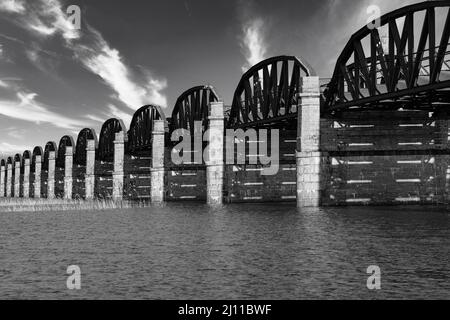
x=107 y=138
x=265 y=95
x=82 y=143
x=49 y=147
x=193 y=105
x=66 y=141
x=141 y=128
x=412 y=73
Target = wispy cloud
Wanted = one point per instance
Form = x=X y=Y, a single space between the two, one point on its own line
x=108 y=64
x=26 y=108
x=16 y=6
x=96 y=55
x=253 y=43
x=9 y=148
x=119 y=114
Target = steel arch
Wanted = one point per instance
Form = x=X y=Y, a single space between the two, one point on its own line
x=264 y=95
x=407 y=76
x=49 y=146
x=192 y=105
x=81 y=146
x=66 y=141
x=141 y=128
x=107 y=137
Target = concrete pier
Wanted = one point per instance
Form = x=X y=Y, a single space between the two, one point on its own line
x=2 y=180
x=26 y=178
x=8 y=180
x=89 y=179
x=118 y=174
x=37 y=177
x=51 y=175
x=308 y=156
x=214 y=157
x=157 y=168
x=68 y=167
x=17 y=179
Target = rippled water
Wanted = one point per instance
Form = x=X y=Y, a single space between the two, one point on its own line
x=189 y=251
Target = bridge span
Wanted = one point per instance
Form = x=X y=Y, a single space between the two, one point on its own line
x=376 y=133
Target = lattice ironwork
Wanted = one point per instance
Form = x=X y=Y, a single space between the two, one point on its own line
x=267 y=92
x=192 y=105
x=66 y=141
x=82 y=143
x=107 y=137
x=141 y=127
x=412 y=71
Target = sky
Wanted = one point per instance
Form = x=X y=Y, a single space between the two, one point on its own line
x=56 y=79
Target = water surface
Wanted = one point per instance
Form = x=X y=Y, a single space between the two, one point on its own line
x=251 y=251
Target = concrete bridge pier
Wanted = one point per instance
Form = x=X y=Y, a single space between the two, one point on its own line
x=214 y=158
x=37 y=177
x=8 y=180
x=17 y=179
x=157 y=169
x=51 y=175
x=308 y=155
x=26 y=178
x=2 y=181
x=89 y=179
x=118 y=174
x=68 y=166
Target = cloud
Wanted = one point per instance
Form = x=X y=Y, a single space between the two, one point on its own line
x=9 y=148
x=252 y=42
x=3 y=84
x=15 y=6
x=108 y=64
x=26 y=108
x=97 y=56
x=49 y=19
x=119 y=114
x=95 y=118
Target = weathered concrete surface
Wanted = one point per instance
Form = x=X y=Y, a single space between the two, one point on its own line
x=37 y=177
x=90 y=170
x=26 y=178
x=2 y=181
x=51 y=175
x=118 y=173
x=9 y=180
x=214 y=157
x=68 y=167
x=308 y=144
x=157 y=168
x=17 y=179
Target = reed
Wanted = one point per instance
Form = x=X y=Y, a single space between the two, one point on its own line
x=35 y=205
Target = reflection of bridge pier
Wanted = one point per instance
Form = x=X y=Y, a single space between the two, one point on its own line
x=376 y=134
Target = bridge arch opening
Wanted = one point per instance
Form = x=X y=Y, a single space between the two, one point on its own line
x=64 y=142
x=267 y=92
x=107 y=138
x=141 y=128
x=193 y=105
x=82 y=142
x=403 y=64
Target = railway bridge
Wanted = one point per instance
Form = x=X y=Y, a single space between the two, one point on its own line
x=375 y=133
